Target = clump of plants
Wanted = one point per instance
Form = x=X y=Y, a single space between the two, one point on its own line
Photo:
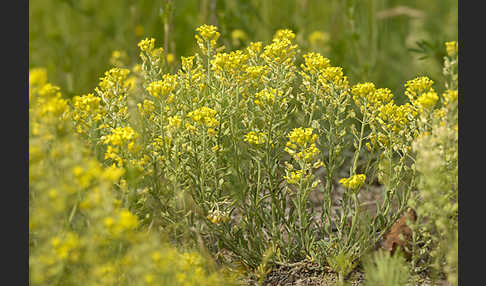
x=259 y=159
x=436 y=201
x=81 y=230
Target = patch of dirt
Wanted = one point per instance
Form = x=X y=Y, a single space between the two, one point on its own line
x=305 y=274
x=310 y=274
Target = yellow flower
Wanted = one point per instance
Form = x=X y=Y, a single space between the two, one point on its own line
x=204 y=115
x=217 y=216
x=418 y=86
x=37 y=77
x=301 y=144
x=127 y=220
x=366 y=96
x=450 y=96
x=281 y=50
x=174 y=121
x=255 y=138
x=353 y=182
x=254 y=49
x=314 y=63
x=302 y=136
x=109 y=222
x=267 y=97
x=238 y=36
x=170 y=58
x=163 y=87
x=208 y=32
x=452 y=48
x=114 y=80
x=147 y=45
x=118 y=58
x=156 y=256
x=396 y=118
x=332 y=78
x=149 y=278
x=230 y=64
x=317 y=37
x=283 y=34
x=208 y=35
x=120 y=135
x=427 y=100
x=112 y=173
x=147 y=108
x=187 y=63
x=294 y=177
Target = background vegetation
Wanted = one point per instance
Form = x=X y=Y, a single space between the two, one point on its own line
x=377 y=40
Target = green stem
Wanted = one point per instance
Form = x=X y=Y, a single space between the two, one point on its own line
x=360 y=143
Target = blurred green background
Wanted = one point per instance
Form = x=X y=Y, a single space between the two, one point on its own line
x=384 y=41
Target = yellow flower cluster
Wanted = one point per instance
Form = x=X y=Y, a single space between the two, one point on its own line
x=417 y=86
x=122 y=221
x=120 y=135
x=88 y=174
x=115 y=78
x=187 y=63
x=119 y=58
x=317 y=37
x=76 y=221
x=67 y=247
x=209 y=35
x=37 y=77
x=396 y=117
x=55 y=106
x=332 y=78
x=87 y=111
x=283 y=34
x=255 y=138
x=302 y=137
x=294 y=178
x=174 y=121
x=204 y=115
x=230 y=64
x=163 y=87
x=450 y=96
x=353 y=182
x=452 y=48
x=254 y=49
x=192 y=76
x=255 y=72
x=281 y=50
x=366 y=96
x=426 y=100
x=267 y=96
x=147 y=108
x=314 y=63
x=421 y=93
x=147 y=45
x=301 y=144
x=49 y=108
x=238 y=36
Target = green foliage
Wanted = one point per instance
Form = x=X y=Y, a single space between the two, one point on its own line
x=383 y=269
x=369 y=39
